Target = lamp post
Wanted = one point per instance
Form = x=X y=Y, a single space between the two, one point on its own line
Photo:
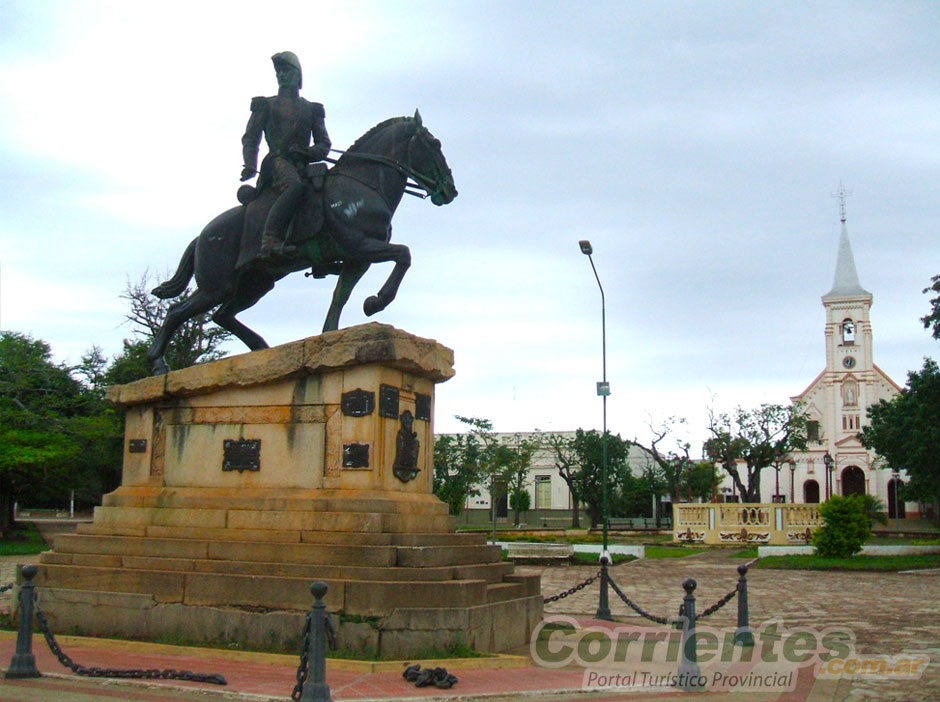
x=792 y=474
x=897 y=505
x=603 y=389
x=827 y=459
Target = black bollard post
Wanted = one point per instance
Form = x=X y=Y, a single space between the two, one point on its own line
x=743 y=636
x=603 y=605
x=689 y=676
x=23 y=663
x=315 y=687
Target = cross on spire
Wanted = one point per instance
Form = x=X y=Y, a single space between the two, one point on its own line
x=842 y=193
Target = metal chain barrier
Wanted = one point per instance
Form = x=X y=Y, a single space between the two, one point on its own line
x=304 y=662
x=330 y=633
x=150 y=674
x=571 y=591
x=634 y=606
x=719 y=604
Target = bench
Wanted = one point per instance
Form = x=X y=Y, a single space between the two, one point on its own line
x=539 y=552
x=637 y=523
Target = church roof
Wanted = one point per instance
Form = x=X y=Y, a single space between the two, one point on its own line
x=845 y=282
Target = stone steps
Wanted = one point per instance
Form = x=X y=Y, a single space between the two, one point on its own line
x=266 y=551
x=285 y=520
x=489 y=572
x=354 y=597
x=273 y=500
x=289 y=536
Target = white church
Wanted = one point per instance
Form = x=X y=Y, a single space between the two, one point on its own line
x=835 y=462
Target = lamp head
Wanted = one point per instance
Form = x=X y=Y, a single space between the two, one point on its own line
x=585 y=247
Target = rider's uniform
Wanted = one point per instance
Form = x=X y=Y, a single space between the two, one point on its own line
x=285 y=121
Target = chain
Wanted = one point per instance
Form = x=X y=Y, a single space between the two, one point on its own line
x=571 y=591
x=302 y=668
x=151 y=674
x=718 y=605
x=7 y=587
x=635 y=607
x=330 y=633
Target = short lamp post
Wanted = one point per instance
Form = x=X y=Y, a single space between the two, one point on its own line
x=603 y=389
x=792 y=481
x=897 y=504
x=827 y=459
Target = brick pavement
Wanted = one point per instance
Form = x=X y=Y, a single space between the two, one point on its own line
x=890 y=613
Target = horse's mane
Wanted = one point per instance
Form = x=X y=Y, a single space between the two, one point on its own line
x=365 y=138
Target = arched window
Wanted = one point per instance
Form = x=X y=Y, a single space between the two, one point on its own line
x=811 y=492
x=848 y=332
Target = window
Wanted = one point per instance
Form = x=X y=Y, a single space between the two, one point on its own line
x=812 y=430
x=851 y=422
x=848 y=332
x=543 y=492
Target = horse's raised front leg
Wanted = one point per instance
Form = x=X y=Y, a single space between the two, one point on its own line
x=177 y=315
x=400 y=254
x=345 y=283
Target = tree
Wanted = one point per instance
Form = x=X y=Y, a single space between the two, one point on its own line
x=757 y=437
x=519 y=460
x=566 y=462
x=456 y=469
x=932 y=320
x=589 y=449
x=463 y=462
x=198 y=340
x=700 y=480
x=55 y=433
x=905 y=431
x=846 y=526
x=664 y=471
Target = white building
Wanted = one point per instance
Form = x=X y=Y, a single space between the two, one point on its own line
x=550 y=500
x=835 y=462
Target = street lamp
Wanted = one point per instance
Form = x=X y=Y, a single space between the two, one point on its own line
x=792 y=474
x=897 y=505
x=603 y=389
x=827 y=459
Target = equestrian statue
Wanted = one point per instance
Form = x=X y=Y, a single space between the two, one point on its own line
x=303 y=215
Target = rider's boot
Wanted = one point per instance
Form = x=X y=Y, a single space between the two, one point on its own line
x=273 y=241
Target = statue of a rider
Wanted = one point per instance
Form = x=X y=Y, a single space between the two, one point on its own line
x=287 y=122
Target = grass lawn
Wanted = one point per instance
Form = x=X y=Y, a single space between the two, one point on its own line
x=25 y=540
x=672 y=551
x=857 y=562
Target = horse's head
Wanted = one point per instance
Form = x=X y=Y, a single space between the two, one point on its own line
x=428 y=165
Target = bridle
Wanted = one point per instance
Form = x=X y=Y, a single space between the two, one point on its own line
x=416 y=183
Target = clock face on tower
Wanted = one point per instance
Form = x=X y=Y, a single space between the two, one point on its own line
x=848 y=361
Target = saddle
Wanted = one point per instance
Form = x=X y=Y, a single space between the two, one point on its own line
x=306 y=223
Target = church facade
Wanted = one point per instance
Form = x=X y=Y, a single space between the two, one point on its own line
x=836 y=403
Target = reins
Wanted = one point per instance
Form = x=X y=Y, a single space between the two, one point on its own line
x=409 y=173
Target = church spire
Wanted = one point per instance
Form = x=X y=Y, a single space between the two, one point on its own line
x=845 y=282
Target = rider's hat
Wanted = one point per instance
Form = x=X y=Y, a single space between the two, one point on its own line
x=290 y=58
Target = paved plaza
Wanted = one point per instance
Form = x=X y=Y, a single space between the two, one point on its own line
x=889 y=613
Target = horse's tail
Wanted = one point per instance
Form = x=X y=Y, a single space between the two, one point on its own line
x=184 y=273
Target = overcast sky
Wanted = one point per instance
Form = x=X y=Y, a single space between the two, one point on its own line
x=696 y=144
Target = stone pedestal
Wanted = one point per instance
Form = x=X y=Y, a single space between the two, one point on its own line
x=249 y=477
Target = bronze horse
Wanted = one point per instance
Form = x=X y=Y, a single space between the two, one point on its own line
x=341 y=229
